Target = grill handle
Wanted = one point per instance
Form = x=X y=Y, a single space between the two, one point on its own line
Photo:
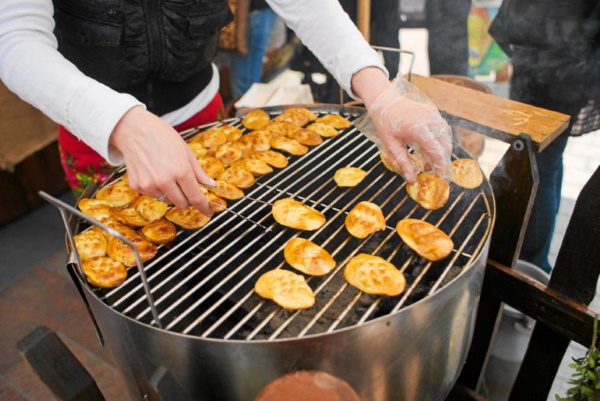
x=388 y=49
x=64 y=208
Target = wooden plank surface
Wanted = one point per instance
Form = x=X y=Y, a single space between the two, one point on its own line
x=507 y=118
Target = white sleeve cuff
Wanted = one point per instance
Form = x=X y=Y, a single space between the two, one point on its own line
x=324 y=27
x=92 y=115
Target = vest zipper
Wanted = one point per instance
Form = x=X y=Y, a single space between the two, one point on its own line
x=152 y=8
x=154 y=34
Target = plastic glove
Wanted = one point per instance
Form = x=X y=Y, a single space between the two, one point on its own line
x=159 y=161
x=402 y=116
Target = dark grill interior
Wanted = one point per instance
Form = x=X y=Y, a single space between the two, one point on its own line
x=203 y=281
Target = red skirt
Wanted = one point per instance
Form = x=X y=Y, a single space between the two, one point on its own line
x=84 y=166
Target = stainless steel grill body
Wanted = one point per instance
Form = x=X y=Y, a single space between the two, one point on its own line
x=414 y=354
x=220 y=341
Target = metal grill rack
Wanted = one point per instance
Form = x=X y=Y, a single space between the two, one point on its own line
x=202 y=282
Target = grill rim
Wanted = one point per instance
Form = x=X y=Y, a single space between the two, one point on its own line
x=485 y=190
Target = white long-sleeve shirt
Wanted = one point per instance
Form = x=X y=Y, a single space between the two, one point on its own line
x=32 y=67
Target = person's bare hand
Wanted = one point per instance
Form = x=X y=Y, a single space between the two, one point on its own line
x=158 y=160
x=399 y=115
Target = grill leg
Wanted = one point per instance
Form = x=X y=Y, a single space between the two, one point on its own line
x=514 y=182
x=58 y=368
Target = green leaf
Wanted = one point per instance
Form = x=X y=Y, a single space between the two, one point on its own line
x=587 y=391
x=591 y=375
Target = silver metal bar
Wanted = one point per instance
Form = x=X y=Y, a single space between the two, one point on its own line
x=239 y=215
x=63 y=206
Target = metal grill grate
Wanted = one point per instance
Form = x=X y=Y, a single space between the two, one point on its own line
x=203 y=281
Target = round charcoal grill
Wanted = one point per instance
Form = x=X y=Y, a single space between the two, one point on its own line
x=211 y=324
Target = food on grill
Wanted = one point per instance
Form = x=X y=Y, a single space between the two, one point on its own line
x=272 y=158
x=212 y=138
x=117 y=194
x=364 y=219
x=467 y=173
x=420 y=163
x=211 y=166
x=323 y=129
x=111 y=223
x=298 y=119
x=227 y=191
x=237 y=176
x=255 y=166
x=128 y=216
x=217 y=204
x=306 y=137
x=308 y=257
x=104 y=272
x=294 y=214
x=89 y=244
x=334 y=120
x=308 y=385
x=291 y=146
x=386 y=163
x=282 y=128
x=120 y=251
x=150 y=208
x=374 y=275
x=288 y=290
x=159 y=231
x=189 y=218
x=229 y=153
x=429 y=190
x=257 y=140
x=256 y=119
x=96 y=208
x=198 y=149
x=232 y=133
x=304 y=111
x=424 y=238
x=349 y=176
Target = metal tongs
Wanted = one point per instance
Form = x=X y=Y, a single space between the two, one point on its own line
x=162 y=198
x=234 y=212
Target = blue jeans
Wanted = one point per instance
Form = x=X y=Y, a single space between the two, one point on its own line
x=540 y=228
x=538 y=79
x=247 y=69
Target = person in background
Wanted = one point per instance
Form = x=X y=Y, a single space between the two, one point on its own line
x=555 y=52
x=447 y=48
x=448 y=45
x=121 y=78
x=246 y=69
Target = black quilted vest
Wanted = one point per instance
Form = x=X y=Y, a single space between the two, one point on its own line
x=157 y=50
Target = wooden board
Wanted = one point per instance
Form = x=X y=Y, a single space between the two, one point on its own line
x=19 y=190
x=493 y=115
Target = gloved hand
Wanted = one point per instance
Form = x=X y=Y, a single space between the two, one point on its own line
x=401 y=115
